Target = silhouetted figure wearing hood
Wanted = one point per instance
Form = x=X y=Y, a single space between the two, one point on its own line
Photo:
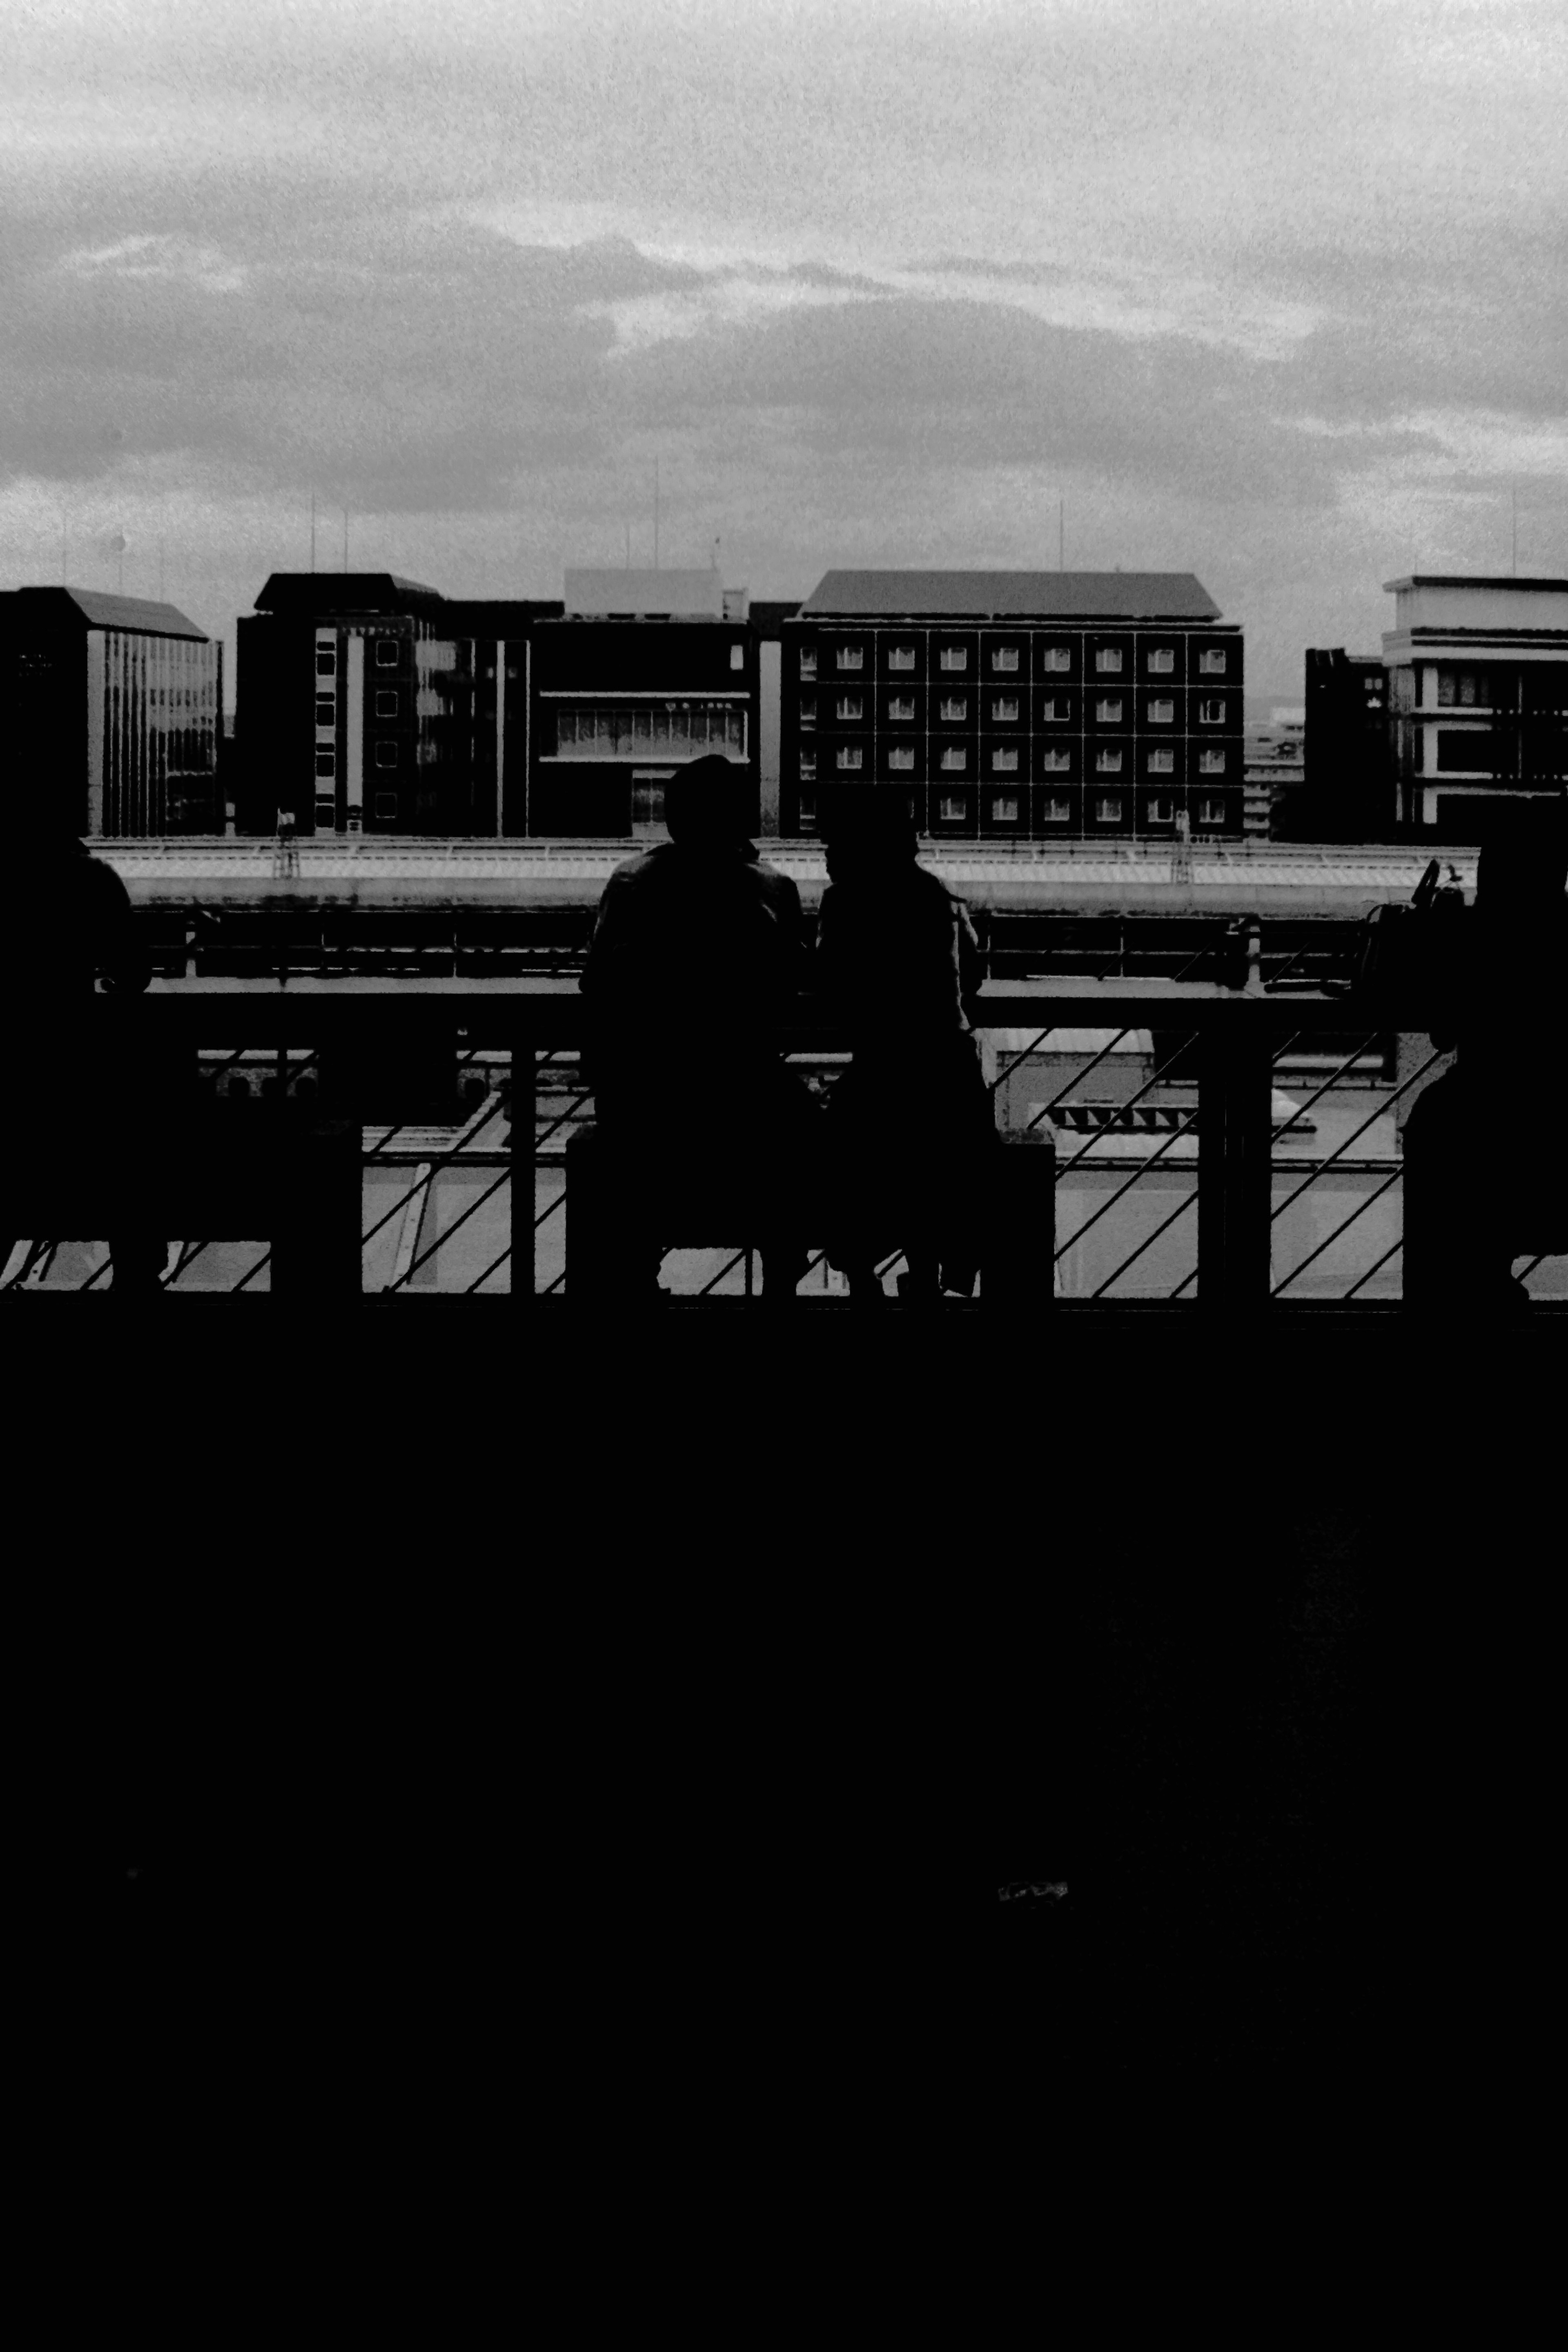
x=69 y=923
x=911 y=1119
x=1486 y=1145
x=695 y=954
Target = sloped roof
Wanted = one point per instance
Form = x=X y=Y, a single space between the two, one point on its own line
x=1053 y=596
x=344 y=592
x=99 y=610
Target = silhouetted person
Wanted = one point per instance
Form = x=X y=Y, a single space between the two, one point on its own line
x=696 y=952
x=911 y=1119
x=1486 y=1177
x=70 y=1101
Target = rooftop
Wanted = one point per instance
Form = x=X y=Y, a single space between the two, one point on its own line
x=72 y=606
x=1472 y=580
x=343 y=591
x=1055 y=595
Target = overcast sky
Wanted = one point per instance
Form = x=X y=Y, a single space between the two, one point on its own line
x=1271 y=290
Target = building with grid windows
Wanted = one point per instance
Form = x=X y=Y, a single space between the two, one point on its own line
x=112 y=705
x=644 y=672
x=1043 y=706
x=1477 y=677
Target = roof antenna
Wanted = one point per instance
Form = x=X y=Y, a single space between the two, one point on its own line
x=1061 y=534
x=656 y=514
x=313 y=531
x=346 y=542
x=1514 y=493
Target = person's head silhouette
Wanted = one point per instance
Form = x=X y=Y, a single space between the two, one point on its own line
x=1523 y=868
x=704 y=805
x=869 y=832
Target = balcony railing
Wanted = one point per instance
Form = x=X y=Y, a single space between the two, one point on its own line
x=1193 y=1188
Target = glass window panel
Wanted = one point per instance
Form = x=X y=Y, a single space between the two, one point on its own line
x=1107 y=659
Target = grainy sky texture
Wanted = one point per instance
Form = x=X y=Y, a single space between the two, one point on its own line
x=1273 y=290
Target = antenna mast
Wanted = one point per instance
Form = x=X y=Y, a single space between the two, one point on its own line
x=1061 y=534
x=656 y=514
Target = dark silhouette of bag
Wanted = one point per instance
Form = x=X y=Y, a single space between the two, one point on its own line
x=1408 y=957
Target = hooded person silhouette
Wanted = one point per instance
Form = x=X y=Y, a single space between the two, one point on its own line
x=911 y=1119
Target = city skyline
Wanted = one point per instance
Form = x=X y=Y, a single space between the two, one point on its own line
x=1268 y=293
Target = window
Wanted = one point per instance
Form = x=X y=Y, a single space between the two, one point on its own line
x=1109 y=712
x=1003 y=659
x=1059 y=657
x=955 y=759
x=1160 y=712
x=1056 y=711
x=1211 y=661
x=900 y=705
x=851 y=657
x=326 y=815
x=808 y=767
x=326 y=760
x=807 y=812
x=1108 y=659
x=1160 y=810
x=808 y=710
x=1057 y=810
x=386 y=702
x=951 y=810
x=1108 y=809
x=1211 y=713
x=955 y=707
x=387 y=755
x=1211 y=812
x=386 y=806
x=902 y=755
x=1458 y=687
x=326 y=710
x=1057 y=762
x=1108 y=763
x=326 y=661
x=956 y=657
x=1462 y=750
x=1004 y=809
x=1003 y=709
x=1211 y=763
x=386 y=653
x=850 y=756
x=1162 y=764
x=851 y=706
x=1161 y=661
x=1005 y=762
x=900 y=658
x=737 y=657
x=808 y=661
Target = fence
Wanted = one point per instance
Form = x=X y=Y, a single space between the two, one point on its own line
x=1192 y=1187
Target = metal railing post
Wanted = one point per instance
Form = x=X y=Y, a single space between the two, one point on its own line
x=1235 y=1148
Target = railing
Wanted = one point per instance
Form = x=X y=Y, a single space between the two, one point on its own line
x=1222 y=1201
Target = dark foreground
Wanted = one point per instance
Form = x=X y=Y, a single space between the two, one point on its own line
x=683 y=1702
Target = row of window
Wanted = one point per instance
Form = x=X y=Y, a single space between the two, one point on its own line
x=626 y=732
x=387 y=705
x=1008 y=808
x=1110 y=759
x=1109 y=661
x=1109 y=710
x=384 y=805
x=386 y=756
x=387 y=655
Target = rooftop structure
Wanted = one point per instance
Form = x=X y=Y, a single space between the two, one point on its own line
x=1478 y=671
x=1075 y=595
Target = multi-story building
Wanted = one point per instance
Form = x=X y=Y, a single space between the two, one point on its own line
x=112 y=704
x=476 y=677
x=1016 y=705
x=1346 y=790
x=1478 y=672
x=644 y=672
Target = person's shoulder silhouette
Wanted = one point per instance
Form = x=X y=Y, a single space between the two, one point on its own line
x=68 y=920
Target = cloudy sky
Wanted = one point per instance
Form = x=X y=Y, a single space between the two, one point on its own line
x=1273 y=290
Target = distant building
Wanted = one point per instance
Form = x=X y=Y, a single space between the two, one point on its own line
x=1346 y=790
x=113 y=704
x=1478 y=673
x=1271 y=767
x=1016 y=705
x=643 y=672
x=767 y=618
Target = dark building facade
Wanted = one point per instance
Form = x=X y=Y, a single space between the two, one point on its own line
x=643 y=672
x=1016 y=705
x=113 y=706
x=1347 y=788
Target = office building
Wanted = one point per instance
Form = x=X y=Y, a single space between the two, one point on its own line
x=643 y=672
x=111 y=705
x=1478 y=676
x=1043 y=705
